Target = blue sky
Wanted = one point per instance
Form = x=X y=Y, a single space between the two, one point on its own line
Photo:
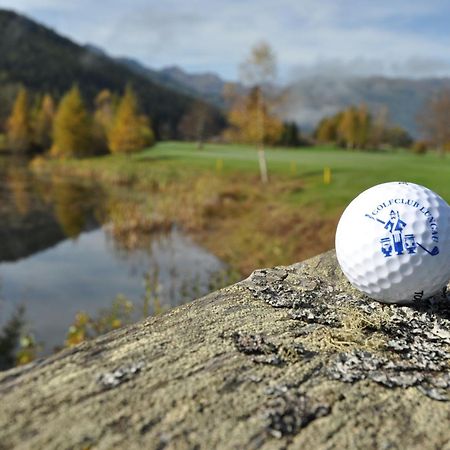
x=396 y=37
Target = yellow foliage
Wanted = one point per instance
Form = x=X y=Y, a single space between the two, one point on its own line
x=104 y=109
x=252 y=123
x=44 y=123
x=103 y=119
x=129 y=132
x=348 y=127
x=354 y=127
x=86 y=327
x=71 y=128
x=19 y=135
x=28 y=349
x=78 y=331
x=19 y=184
x=71 y=206
x=327 y=130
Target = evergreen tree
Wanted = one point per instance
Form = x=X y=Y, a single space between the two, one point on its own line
x=19 y=135
x=71 y=127
x=129 y=131
x=291 y=135
x=44 y=123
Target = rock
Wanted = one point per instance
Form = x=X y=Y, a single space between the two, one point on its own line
x=292 y=357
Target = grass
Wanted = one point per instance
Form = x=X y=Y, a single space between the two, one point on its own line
x=352 y=170
x=216 y=195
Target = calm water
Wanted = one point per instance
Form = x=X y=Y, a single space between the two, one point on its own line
x=67 y=246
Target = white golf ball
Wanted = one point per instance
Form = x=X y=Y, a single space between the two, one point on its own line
x=393 y=242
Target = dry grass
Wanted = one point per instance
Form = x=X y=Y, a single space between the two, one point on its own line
x=244 y=223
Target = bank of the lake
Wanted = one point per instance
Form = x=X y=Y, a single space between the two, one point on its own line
x=216 y=195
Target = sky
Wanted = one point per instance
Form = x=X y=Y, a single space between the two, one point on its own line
x=407 y=38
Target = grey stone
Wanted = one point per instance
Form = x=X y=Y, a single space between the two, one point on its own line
x=292 y=357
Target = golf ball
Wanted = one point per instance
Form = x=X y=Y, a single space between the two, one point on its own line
x=393 y=242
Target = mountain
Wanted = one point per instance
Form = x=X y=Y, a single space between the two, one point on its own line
x=207 y=86
x=156 y=76
x=44 y=61
x=309 y=100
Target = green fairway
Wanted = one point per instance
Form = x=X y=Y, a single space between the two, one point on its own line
x=352 y=171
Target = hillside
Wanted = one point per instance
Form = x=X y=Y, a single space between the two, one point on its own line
x=310 y=99
x=207 y=86
x=43 y=61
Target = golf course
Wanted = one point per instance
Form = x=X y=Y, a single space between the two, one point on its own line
x=215 y=193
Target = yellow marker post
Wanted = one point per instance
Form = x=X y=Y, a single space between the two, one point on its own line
x=219 y=165
x=326 y=175
x=293 y=168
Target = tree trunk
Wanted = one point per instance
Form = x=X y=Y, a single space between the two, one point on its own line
x=263 y=165
x=261 y=132
x=293 y=357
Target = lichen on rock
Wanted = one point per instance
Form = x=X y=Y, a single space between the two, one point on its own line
x=396 y=346
x=292 y=357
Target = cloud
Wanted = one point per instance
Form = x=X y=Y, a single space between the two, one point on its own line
x=414 y=67
x=386 y=36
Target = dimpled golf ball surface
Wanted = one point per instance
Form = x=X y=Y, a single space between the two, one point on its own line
x=393 y=242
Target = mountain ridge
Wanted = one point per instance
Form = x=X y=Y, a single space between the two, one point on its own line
x=311 y=99
x=42 y=60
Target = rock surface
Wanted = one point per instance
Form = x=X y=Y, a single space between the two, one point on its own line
x=292 y=357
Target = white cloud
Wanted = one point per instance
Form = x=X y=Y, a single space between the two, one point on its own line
x=216 y=35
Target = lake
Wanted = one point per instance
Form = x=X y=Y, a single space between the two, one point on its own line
x=68 y=245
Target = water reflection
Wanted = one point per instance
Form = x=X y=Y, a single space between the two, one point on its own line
x=68 y=246
x=75 y=206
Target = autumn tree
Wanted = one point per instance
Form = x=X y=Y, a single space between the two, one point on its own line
x=258 y=71
x=348 y=127
x=379 y=124
x=19 y=132
x=105 y=106
x=355 y=128
x=72 y=128
x=327 y=130
x=130 y=131
x=351 y=128
x=43 y=124
x=248 y=118
x=363 y=127
x=435 y=120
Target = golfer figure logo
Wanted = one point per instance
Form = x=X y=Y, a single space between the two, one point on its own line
x=398 y=242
